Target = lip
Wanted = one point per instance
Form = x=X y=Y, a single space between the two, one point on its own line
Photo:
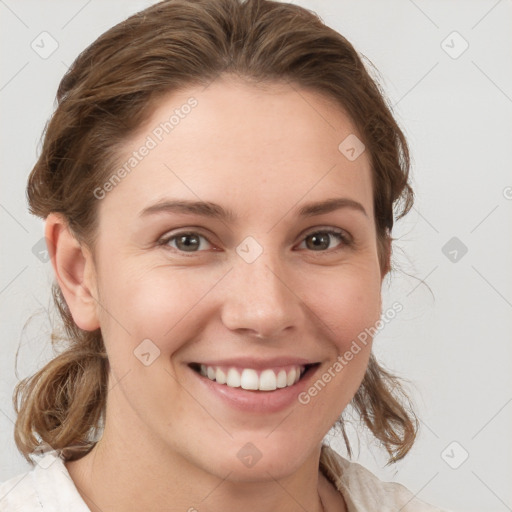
x=258 y=402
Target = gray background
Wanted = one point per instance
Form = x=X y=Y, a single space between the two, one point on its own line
x=452 y=340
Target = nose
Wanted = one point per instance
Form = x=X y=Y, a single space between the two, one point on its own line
x=261 y=299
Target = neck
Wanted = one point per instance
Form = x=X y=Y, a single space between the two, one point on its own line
x=122 y=475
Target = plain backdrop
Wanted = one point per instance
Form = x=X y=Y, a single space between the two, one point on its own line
x=446 y=69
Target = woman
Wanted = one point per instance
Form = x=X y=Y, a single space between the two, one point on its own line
x=218 y=183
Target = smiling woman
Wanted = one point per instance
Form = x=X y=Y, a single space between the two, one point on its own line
x=218 y=269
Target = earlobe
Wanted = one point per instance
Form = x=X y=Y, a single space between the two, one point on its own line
x=74 y=271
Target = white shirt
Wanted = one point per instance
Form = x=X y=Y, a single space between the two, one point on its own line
x=48 y=487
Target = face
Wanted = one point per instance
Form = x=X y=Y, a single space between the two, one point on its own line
x=257 y=288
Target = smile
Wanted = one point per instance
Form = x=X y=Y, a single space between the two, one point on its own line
x=268 y=379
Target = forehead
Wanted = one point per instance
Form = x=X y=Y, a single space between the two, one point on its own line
x=251 y=146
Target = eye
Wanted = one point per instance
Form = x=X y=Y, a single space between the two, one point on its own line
x=186 y=241
x=320 y=241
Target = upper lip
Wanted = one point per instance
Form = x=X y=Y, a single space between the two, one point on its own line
x=256 y=363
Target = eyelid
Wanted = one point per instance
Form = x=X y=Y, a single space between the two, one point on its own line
x=346 y=238
x=327 y=229
x=166 y=238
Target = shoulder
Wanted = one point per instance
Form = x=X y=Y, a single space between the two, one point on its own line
x=19 y=493
x=47 y=486
x=362 y=490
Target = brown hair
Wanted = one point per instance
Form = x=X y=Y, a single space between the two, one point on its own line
x=107 y=94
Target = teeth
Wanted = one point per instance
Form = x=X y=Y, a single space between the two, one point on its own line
x=220 y=376
x=268 y=380
x=290 y=379
x=233 y=378
x=249 y=379
x=281 y=379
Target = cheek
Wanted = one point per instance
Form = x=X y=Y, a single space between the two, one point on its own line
x=347 y=302
x=155 y=303
x=348 y=306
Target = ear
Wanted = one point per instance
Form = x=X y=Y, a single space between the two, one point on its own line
x=74 y=270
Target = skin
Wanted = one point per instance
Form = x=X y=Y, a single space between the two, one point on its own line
x=263 y=153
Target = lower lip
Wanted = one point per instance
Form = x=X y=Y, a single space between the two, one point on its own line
x=257 y=401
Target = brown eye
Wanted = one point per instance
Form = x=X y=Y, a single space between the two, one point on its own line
x=321 y=240
x=185 y=242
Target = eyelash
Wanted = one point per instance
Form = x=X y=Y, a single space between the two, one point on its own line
x=344 y=238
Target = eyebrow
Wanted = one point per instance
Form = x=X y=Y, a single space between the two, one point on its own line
x=213 y=210
x=330 y=205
